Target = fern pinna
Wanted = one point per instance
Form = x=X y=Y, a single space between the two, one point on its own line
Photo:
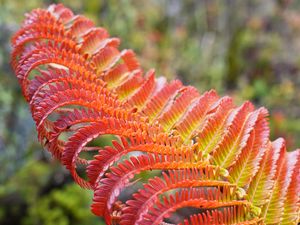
x=206 y=160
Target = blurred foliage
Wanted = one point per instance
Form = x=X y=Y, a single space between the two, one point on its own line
x=40 y=193
x=248 y=49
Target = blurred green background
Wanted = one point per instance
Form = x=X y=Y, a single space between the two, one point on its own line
x=248 y=49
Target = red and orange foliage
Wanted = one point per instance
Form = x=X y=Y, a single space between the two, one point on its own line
x=200 y=152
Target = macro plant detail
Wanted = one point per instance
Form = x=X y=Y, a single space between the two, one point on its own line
x=175 y=156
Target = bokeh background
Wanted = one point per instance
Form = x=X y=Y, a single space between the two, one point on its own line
x=248 y=49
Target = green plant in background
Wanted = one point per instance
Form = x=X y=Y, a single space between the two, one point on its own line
x=60 y=207
x=40 y=193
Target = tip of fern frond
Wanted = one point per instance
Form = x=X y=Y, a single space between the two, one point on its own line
x=241 y=193
x=256 y=211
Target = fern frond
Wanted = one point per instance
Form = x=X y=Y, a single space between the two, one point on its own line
x=292 y=199
x=274 y=209
x=192 y=197
x=173 y=179
x=230 y=215
x=246 y=165
x=208 y=154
